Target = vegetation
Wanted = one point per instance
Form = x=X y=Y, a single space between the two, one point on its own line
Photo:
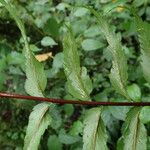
x=80 y=50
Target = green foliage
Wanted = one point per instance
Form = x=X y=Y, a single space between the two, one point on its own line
x=94 y=134
x=79 y=83
x=118 y=76
x=58 y=127
x=134 y=92
x=90 y=44
x=36 y=79
x=144 y=114
x=115 y=111
x=39 y=120
x=134 y=132
x=48 y=41
x=54 y=143
x=143 y=29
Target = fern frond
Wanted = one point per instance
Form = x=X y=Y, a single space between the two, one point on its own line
x=118 y=75
x=78 y=82
x=143 y=30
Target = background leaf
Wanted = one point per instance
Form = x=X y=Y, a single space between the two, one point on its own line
x=90 y=44
x=134 y=92
x=48 y=41
x=144 y=114
x=54 y=143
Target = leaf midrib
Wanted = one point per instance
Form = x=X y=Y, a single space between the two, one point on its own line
x=38 y=125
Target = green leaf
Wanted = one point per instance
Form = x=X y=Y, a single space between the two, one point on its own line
x=92 y=31
x=144 y=114
x=36 y=78
x=58 y=61
x=34 y=48
x=76 y=128
x=80 y=12
x=67 y=138
x=143 y=30
x=134 y=92
x=15 y=58
x=78 y=82
x=38 y=122
x=119 y=112
x=134 y=132
x=94 y=134
x=51 y=27
x=90 y=44
x=118 y=75
x=48 y=41
x=54 y=143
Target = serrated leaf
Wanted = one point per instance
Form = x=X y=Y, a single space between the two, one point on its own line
x=79 y=83
x=143 y=30
x=94 y=134
x=118 y=75
x=36 y=78
x=38 y=122
x=35 y=85
x=134 y=132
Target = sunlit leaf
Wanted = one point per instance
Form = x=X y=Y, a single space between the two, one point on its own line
x=134 y=132
x=94 y=134
x=118 y=75
x=36 y=78
x=143 y=30
x=38 y=122
x=79 y=83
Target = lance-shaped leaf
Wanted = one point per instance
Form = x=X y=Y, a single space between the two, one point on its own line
x=134 y=133
x=94 y=134
x=36 y=78
x=118 y=75
x=143 y=30
x=35 y=84
x=38 y=122
x=78 y=82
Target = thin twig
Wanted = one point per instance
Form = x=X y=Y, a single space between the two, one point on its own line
x=62 y=101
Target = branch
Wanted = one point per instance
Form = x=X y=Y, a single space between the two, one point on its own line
x=62 y=101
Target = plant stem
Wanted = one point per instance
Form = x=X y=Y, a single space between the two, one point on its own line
x=62 y=101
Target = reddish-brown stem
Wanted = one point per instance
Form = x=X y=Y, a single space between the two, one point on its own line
x=62 y=101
